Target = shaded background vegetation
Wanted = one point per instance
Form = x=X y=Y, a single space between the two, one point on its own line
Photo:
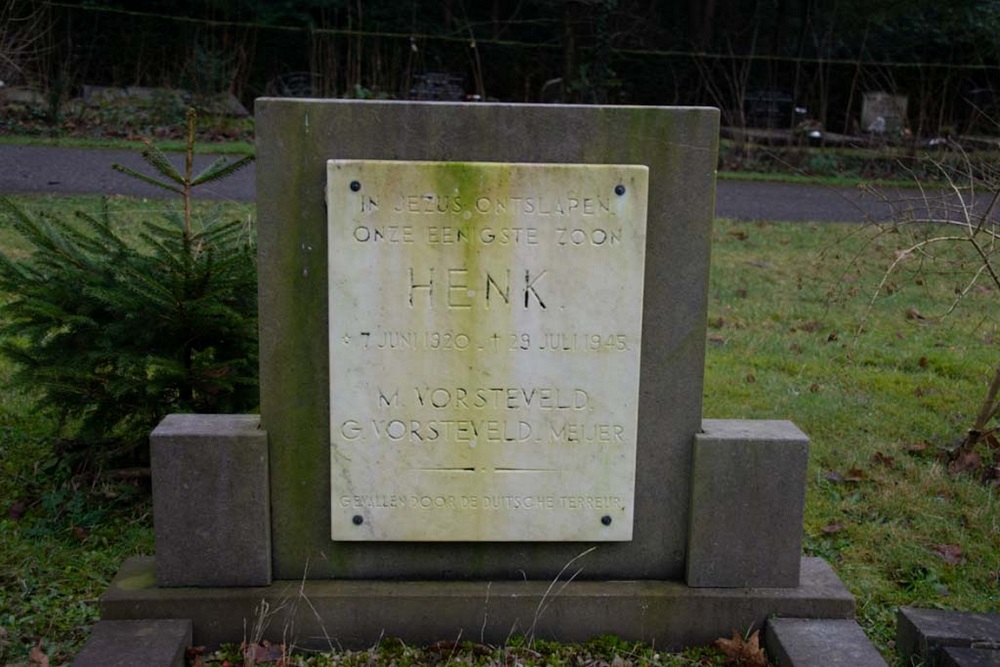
x=825 y=54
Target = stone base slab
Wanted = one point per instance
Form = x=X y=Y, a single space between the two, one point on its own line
x=357 y=613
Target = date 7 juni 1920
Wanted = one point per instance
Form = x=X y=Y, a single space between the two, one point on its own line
x=452 y=341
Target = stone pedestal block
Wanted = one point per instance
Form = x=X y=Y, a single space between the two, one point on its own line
x=748 y=489
x=211 y=504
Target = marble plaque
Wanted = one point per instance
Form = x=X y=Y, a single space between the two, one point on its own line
x=485 y=334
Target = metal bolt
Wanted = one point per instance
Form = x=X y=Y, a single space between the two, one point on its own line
x=358 y=519
x=355 y=186
x=606 y=520
x=619 y=189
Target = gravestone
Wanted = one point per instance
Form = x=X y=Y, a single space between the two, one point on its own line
x=482 y=356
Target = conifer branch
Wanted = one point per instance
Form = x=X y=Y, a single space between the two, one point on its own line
x=221 y=168
x=142 y=177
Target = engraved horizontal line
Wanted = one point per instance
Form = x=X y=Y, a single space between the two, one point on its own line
x=505 y=470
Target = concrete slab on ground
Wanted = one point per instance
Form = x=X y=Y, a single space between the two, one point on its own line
x=804 y=642
x=151 y=643
x=952 y=656
x=924 y=633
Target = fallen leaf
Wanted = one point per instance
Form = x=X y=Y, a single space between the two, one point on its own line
x=750 y=378
x=914 y=314
x=854 y=475
x=965 y=461
x=194 y=656
x=814 y=388
x=922 y=362
x=37 y=657
x=949 y=553
x=832 y=528
x=717 y=340
x=832 y=337
x=918 y=448
x=80 y=533
x=263 y=652
x=739 y=235
x=884 y=459
x=991 y=440
x=17 y=509
x=743 y=652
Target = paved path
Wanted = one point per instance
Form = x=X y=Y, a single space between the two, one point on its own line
x=62 y=170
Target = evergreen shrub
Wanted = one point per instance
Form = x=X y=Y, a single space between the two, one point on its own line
x=113 y=330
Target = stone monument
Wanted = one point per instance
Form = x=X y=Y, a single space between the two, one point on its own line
x=482 y=358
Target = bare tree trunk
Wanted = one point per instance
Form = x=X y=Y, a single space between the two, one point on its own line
x=569 y=46
x=702 y=17
x=987 y=411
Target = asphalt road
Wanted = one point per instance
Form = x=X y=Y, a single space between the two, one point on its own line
x=25 y=169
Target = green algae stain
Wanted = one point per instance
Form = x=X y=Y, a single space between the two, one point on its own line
x=137 y=582
x=293 y=291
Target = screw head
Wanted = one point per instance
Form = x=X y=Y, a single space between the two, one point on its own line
x=355 y=186
x=619 y=189
x=606 y=520
x=358 y=520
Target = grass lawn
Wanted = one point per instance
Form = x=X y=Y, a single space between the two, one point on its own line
x=880 y=386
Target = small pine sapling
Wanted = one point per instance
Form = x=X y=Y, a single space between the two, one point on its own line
x=112 y=330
